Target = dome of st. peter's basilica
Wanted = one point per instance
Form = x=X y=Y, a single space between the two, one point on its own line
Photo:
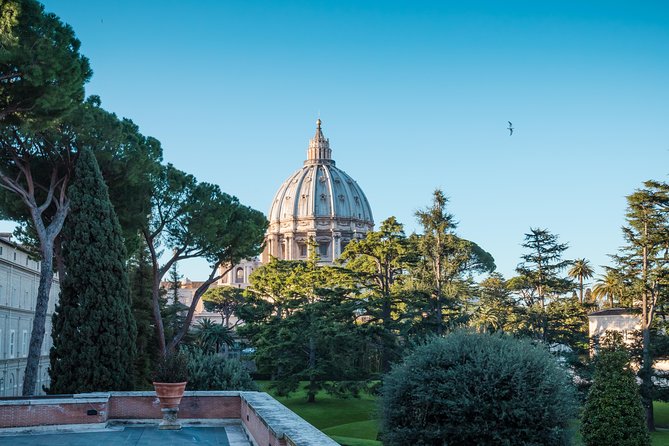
x=318 y=202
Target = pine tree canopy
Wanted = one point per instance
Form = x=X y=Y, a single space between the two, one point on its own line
x=42 y=74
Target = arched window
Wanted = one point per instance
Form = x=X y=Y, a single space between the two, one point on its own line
x=239 y=275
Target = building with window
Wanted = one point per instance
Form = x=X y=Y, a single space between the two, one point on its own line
x=19 y=280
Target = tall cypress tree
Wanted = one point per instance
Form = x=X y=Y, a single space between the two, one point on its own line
x=141 y=281
x=93 y=328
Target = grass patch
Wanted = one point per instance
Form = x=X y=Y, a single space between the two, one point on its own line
x=350 y=421
x=347 y=441
x=359 y=429
x=354 y=421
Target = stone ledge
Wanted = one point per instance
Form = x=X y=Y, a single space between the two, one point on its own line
x=76 y=399
x=285 y=423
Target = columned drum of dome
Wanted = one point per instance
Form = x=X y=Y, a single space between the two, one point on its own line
x=318 y=202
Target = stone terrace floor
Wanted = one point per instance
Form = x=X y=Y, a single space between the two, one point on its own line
x=133 y=435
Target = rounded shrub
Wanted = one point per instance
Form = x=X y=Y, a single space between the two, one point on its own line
x=477 y=389
x=613 y=413
x=214 y=372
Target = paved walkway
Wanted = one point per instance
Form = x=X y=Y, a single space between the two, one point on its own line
x=140 y=436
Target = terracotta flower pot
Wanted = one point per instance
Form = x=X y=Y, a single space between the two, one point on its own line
x=170 y=394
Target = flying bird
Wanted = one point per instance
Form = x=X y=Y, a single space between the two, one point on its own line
x=510 y=128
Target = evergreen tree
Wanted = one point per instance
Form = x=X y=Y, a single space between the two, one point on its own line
x=301 y=319
x=540 y=276
x=468 y=389
x=613 y=413
x=496 y=309
x=141 y=276
x=643 y=264
x=446 y=263
x=94 y=331
x=42 y=73
x=381 y=260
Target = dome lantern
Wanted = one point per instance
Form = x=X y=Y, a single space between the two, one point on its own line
x=319 y=148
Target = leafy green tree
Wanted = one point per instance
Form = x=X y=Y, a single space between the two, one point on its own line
x=643 y=261
x=613 y=413
x=381 y=260
x=196 y=220
x=301 y=319
x=539 y=275
x=35 y=171
x=446 y=262
x=496 y=310
x=477 y=389
x=93 y=327
x=580 y=269
x=42 y=73
x=567 y=323
x=214 y=372
x=224 y=300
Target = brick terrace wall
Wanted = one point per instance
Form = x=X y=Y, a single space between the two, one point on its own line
x=145 y=405
x=43 y=412
x=257 y=427
x=117 y=405
x=269 y=422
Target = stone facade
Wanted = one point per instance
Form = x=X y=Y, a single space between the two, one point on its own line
x=19 y=280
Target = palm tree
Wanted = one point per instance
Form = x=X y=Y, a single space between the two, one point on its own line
x=609 y=285
x=580 y=270
x=211 y=336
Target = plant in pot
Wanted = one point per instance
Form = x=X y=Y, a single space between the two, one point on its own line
x=169 y=380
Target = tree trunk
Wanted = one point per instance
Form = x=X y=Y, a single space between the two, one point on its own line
x=47 y=236
x=580 y=298
x=387 y=328
x=646 y=380
x=311 y=395
x=155 y=293
x=647 y=364
x=60 y=261
x=39 y=321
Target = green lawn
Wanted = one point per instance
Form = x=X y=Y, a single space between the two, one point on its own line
x=354 y=421
x=350 y=422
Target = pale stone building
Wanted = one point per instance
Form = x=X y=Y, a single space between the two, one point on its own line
x=238 y=276
x=626 y=321
x=318 y=202
x=19 y=280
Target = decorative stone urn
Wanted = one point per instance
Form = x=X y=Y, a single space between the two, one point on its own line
x=170 y=395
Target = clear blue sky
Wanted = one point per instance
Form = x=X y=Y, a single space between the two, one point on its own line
x=413 y=96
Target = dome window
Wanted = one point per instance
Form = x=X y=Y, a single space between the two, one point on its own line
x=303 y=250
x=323 y=249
